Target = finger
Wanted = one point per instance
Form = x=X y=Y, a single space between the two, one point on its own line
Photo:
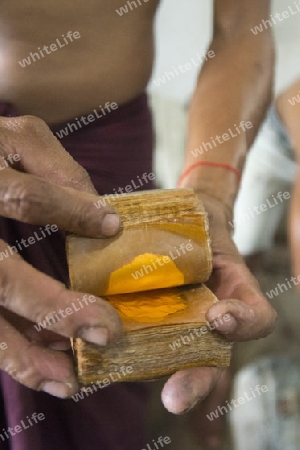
x=242 y=302
x=47 y=302
x=43 y=337
x=34 y=366
x=33 y=200
x=185 y=388
x=239 y=321
x=41 y=153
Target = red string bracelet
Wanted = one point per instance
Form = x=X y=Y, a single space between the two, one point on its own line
x=208 y=163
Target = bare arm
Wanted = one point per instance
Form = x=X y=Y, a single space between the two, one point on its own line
x=289 y=112
x=233 y=86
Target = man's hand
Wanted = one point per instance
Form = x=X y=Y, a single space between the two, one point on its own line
x=214 y=111
x=46 y=186
x=252 y=317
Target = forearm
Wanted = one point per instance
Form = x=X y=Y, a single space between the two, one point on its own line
x=289 y=114
x=233 y=87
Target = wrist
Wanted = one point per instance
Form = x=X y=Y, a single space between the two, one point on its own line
x=216 y=181
x=216 y=207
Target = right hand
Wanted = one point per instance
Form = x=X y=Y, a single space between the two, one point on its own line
x=46 y=187
x=250 y=314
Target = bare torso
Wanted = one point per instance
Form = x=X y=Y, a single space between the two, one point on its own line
x=110 y=61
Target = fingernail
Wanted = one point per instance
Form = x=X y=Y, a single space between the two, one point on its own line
x=225 y=323
x=110 y=224
x=56 y=389
x=96 y=335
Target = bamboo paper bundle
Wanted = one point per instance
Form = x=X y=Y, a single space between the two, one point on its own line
x=151 y=273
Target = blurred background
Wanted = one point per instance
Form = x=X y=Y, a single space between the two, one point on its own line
x=270 y=421
x=181 y=33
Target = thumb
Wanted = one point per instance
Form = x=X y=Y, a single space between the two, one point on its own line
x=246 y=319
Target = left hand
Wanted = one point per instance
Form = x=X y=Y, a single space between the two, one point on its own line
x=252 y=317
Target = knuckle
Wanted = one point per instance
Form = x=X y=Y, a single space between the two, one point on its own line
x=10 y=367
x=32 y=124
x=84 y=217
x=21 y=198
x=78 y=177
x=45 y=309
x=23 y=370
x=26 y=375
x=32 y=364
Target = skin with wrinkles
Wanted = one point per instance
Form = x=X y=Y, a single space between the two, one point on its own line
x=112 y=61
x=33 y=295
x=252 y=318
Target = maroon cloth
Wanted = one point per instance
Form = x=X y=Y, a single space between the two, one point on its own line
x=114 y=150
